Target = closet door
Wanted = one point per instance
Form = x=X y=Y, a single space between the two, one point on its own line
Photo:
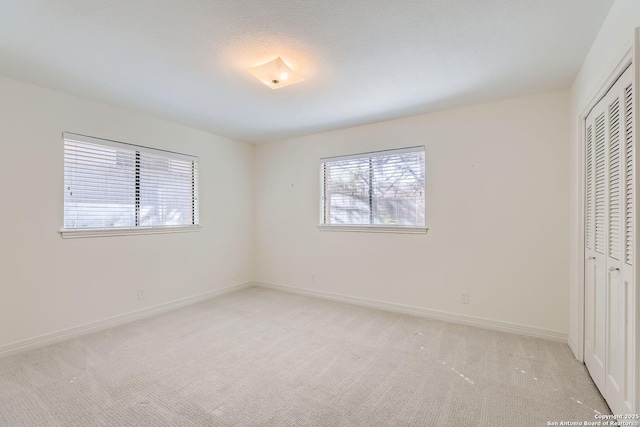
x=596 y=263
x=609 y=244
x=619 y=366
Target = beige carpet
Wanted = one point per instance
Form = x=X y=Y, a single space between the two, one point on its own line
x=258 y=357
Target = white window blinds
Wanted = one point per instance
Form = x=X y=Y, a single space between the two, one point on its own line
x=378 y=189
x=111 y=185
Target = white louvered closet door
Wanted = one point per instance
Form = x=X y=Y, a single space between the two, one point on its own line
x=609 y=244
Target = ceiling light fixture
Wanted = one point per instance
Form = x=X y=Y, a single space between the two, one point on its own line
x=276 y=74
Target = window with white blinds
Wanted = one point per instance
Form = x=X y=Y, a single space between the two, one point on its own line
x=378 y=189
x=112 y=185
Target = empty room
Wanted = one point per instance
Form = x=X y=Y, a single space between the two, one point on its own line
x=319 y=213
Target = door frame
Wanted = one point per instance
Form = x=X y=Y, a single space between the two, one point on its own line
x=618 y=69
x=630 y=57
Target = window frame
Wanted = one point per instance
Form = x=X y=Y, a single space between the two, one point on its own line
x=369 y=228
x=136 y=229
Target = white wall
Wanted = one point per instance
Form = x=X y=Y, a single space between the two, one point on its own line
x=497 y=189
x=48 y=283
x=614 y=38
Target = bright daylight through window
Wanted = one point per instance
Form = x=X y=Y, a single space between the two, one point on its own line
x=112 y=185
x=379 y=189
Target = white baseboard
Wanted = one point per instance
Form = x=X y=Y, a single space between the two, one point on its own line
x=65 y=334
x=495 y=325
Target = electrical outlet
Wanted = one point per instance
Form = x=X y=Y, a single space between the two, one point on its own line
x=141 y=294
x=464 y=298
x=313 y=277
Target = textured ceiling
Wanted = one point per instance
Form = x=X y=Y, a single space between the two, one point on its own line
x=363 y=60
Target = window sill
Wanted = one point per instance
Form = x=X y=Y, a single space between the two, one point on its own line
x=374 y=229
x=108 y=232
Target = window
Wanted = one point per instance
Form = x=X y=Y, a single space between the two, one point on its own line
x=115 y=186
x=384 y=189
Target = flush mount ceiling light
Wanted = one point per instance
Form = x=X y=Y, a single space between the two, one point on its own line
x=276 y=74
